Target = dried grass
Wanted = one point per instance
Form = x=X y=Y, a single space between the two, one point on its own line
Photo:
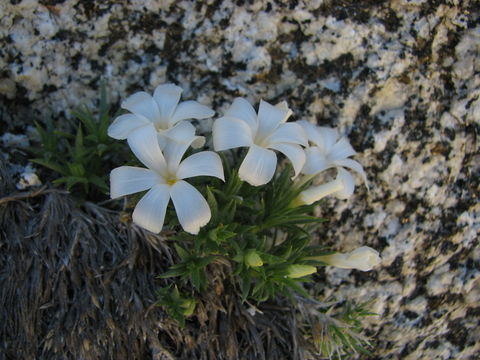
x=78 y=283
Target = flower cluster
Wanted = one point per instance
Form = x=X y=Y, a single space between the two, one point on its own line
x=159 y=136
x=159 y=133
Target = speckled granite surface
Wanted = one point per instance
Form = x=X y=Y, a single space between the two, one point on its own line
x=400 y=77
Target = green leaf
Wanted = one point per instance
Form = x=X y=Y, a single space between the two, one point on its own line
x=221 y=234
x=245 y=286
x=50 y=165
x=99 y=182
x=296 y=287
x=196 y=279
x=173 y=272
x=76 y=170
x=272 y=259
x=212 y=203
x=184 y=255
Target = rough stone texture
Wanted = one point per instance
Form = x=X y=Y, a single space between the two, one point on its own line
x=400 y=78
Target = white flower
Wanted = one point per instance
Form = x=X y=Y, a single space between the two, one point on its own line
x=364 y=258
x=242 y=127
x=164 y=179
x=328 y=151
x=162 y=111
x=342 y=188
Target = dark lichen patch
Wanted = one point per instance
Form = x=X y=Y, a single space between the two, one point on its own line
x=362 y=277
x=390 y=19
x=395 y=268
x=141 y=22
x=417 y=125
x=444 y=300
x=358 y=11
x=68 y=35
x=411 y=315
x=94 y=9
x=361 y=136
x=442 y=148
x=308 y=73
x=51 y=2
x=457 y=333
x=276 y=68
x=462 y=259
x=385 y=157
x=412 y=346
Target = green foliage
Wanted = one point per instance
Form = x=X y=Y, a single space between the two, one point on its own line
x=176 y=305
x=335 y=330
x=257 y=232
x=81 y=153
x=263 y=242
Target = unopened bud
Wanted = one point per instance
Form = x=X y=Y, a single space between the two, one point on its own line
x=253 y=259
x=297 y=271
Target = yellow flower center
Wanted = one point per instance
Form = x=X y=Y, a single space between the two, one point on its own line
x=171 y=181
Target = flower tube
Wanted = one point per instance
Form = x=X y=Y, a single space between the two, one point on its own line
x=364 y=258
x=342 y=188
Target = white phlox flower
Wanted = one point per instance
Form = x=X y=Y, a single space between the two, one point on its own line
x=363 y=258
x=262 y=133
x=328 y=151
x=164 y=179
x=342 y=188
x=161 y=111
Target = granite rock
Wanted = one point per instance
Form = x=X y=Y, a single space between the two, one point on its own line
x=400 y=78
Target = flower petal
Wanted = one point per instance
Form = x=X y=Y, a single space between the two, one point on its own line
x=205 y=163
x=144 y=144
x=178 y=140
x=243 y=110
x=294 y=153
x=229 y=133
x=355 y=166
x=288 y=133
x=142 y=105
x=167 y=97
x=150 y=210
x=190 y=110
x=269 y=117
x=198 y=142
x=191 y=207
x=258 y=166
x=329 y=138
x=315 y=162
x=183 y=132
x=124 y=125
x=282 y=105
x=127 y=180
x=322 y=137
x=348 y=184
x=341 y=150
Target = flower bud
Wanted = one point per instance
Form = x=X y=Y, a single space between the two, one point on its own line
x=188 y=306
x=253 y=259
x=364 y=258
x=297 y=271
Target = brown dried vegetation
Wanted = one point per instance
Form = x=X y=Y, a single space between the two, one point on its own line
x=77 y=283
